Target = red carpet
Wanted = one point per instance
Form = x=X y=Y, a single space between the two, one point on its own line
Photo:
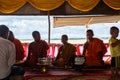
x=69 y=78
x=68 y=75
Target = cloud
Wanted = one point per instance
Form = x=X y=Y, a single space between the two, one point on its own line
x=23 y=26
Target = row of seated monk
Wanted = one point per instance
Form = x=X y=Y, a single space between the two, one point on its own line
x=94 y=50
x=92 y=54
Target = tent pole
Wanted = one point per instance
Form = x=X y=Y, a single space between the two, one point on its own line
x=49 y=27
x=90 y=20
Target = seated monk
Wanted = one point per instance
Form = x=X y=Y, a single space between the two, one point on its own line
x=37 y=49
x=65 y=53
x=94 y=50
x=18 y=46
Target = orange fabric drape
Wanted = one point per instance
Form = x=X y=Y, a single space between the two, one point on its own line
x=9 y=6
x=46 y=5
x=83 y=5
x=114 y=4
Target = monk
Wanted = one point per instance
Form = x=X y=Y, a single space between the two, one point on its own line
x=65 y=53
x=37 y=49
x=94 y=50
x=18 y=46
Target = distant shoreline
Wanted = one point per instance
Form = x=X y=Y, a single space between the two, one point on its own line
x=71 y=40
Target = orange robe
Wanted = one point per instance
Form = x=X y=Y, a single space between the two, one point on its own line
x=95 y=52
x=37 y=50
x=65 y=53
x=19 y=50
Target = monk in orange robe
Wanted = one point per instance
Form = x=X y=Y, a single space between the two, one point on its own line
x=65 y=53
x=94 y=50
x=37 y=49
x=18 y=46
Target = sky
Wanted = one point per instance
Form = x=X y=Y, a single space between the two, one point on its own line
x=23 y=26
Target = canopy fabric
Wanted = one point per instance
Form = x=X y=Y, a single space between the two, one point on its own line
x=114 y=4
x=46 y=5
x=10 y=6
x=83 y=21
x=83 y=5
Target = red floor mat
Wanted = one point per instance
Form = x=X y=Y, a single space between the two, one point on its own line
x=68 y=75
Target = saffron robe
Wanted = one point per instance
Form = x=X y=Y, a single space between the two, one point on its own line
x=95 y=52
x=19 y=50
x=65 y=53
x=37 y=50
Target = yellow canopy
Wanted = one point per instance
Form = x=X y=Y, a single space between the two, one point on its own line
x=9 y=6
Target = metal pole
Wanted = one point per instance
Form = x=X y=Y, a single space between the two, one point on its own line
x=49 y=27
